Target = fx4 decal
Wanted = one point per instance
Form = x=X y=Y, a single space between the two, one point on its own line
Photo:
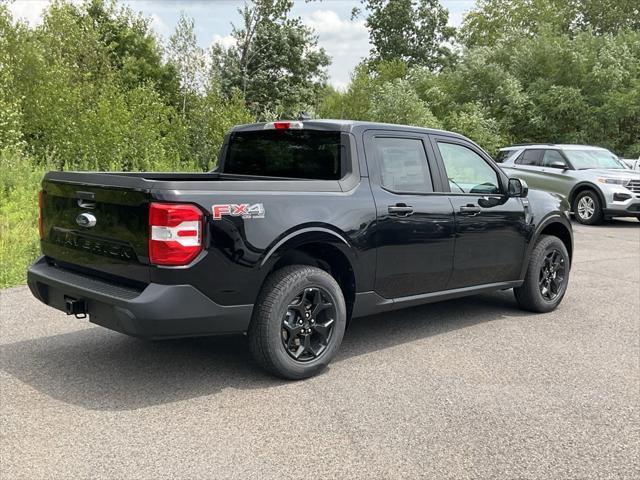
x=244 y=210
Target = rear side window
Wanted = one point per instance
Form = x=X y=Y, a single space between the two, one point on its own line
x=503 y=155
x=308 y=154
x=530 y=157
x=403 y=165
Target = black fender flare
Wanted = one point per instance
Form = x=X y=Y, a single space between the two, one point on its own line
x=304 y=235
x=556 y=217
x=586 y=185
x=301 y=236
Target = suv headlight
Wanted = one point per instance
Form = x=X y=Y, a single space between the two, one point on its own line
x=615 y=181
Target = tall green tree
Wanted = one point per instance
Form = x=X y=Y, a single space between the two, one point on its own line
x=275 y=62
x=491 y=20
x=413 y=31
x=188 y=58
x=11 y=48
x=132 y=46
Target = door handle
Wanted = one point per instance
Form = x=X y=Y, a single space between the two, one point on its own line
x=400 y=210
x=470 y=208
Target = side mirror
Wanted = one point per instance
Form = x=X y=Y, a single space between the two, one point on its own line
x=518 y=188
x=559 y=164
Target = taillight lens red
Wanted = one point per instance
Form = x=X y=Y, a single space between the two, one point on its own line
x=40 y=220
x=175 y=233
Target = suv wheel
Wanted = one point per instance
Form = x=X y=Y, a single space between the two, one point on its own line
x=547 y=277
x=587 y=209
x=298 y=322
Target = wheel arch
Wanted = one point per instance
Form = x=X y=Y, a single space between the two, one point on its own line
x=555 y=225
x=317 y=247
x=557 y=229
x=581 y=187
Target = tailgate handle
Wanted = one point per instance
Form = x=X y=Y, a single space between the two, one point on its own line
x=85 y=204
x=86 y=199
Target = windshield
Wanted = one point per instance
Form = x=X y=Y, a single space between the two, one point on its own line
x=304 y=154
x=586 y=159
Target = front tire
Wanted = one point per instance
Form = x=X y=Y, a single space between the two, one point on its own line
x=298 y=322
x=547 y=276
x=587 y=208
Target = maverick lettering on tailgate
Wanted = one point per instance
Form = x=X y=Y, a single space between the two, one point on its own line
x=96 y=246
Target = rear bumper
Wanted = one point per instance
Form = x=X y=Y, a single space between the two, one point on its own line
x=157 y=311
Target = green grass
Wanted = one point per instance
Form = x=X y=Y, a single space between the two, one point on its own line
x=19 y=186
x=20 y=179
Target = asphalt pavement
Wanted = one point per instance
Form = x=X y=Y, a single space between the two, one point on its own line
x=470 y=388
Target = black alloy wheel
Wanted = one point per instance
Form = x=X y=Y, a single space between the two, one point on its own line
x=308 y=324
x=547 y=277
x=552 y=275
x=298 y=322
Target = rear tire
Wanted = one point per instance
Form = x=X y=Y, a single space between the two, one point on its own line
x=587 y=208
x=547 y=276
x=298 y=322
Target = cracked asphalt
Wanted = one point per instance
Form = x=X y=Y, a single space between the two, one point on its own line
x=470 y=388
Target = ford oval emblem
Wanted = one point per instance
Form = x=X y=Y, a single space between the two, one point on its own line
x=86 y=220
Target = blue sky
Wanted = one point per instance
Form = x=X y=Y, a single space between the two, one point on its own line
x=346 y=41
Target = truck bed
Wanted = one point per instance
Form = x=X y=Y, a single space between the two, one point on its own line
x=211 y=181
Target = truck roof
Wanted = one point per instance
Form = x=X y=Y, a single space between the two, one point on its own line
x=347 y=126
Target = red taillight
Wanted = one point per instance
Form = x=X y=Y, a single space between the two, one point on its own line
x=175 y=233
x=282 y=125
x=40 y=221
x=288 y=125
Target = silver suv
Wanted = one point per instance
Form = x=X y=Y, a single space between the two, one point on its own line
x=594 y=181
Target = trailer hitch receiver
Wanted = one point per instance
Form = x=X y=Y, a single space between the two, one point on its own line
x=76 y=307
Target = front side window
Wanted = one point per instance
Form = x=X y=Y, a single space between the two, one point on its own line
x=551 y=157
x=467 y=171
x=403 y=165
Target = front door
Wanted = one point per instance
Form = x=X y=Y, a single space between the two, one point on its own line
x=415 y=226
x=490 y=226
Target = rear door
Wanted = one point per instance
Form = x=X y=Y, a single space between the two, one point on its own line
x=414 y=231
x=94 y=227
x=528 y=167
x=490 y=226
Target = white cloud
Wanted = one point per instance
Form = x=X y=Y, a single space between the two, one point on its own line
x=346 y=41
x=159 y=26
x=339 y=85
x=30 y=12
x=225 y=41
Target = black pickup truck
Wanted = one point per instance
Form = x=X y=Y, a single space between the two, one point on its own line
x=303 y=226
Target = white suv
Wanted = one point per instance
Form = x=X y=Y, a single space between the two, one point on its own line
x=594 y=181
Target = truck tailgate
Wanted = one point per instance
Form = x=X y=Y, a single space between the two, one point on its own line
x=99 y=227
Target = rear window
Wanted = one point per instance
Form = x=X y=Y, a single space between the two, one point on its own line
x=305 y=154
